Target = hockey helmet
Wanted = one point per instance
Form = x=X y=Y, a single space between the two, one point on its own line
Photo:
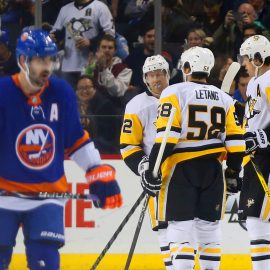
x=199 y=60
x=35 y=42
x=155 y=62
x=254 y=45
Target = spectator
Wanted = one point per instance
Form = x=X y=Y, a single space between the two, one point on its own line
x=136 y=58
x=250 y=30
x=262 y=8
x=84 y=21
x=242 y=81
x=8 y=63
x=229 y=36
x=96 y=113
x=176 y=20
x=16 y=15
x=195 y=37
x=111 y=74
x=212 y=16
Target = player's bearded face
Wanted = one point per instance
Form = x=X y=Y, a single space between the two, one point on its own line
x=40 y=68
x=157 y=81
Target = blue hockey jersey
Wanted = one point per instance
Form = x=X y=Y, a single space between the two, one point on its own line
x=34 y=139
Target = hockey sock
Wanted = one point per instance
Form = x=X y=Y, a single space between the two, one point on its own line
x=182 y=255
x=209 y=256
x=42 y=255
x=165 y=249
x=260 y=254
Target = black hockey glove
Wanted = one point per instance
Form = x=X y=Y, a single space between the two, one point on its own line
x=150 y=184
x=233 y=181
x=255 y=139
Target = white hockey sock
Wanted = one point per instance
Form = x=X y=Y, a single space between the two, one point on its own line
x=165 y=249
x=166 y=256
x=259 y=234
x=260 y=254
x=182 y=255
x=209 y=256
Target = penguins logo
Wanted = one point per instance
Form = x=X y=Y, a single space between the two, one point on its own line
x=250 y=111
x=35 y=146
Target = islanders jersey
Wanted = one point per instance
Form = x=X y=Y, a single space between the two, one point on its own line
x=205 y=122
x=138 y=130
x=34 y=139
x=257 y=111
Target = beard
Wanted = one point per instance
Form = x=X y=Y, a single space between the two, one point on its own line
x=39 y=80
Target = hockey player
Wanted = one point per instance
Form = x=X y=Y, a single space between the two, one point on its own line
x=192 y=192
x=254 y=203
x=138 y=132
x=39 y=123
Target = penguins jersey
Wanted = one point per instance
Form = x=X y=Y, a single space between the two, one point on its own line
x=257 y=111
x=34 y=139
x=138 y=130
x=204 y=123
x=86 y=21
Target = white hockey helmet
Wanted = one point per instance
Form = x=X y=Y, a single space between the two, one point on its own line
x=255 y=44
x=155 y=62
x=199 y=60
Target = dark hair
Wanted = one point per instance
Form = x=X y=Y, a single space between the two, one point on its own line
x=199 y=75
x=84 y=76
x=242 y=73
x=258 y=30
x=108 y=37
x=267 y=61
x=146 y=28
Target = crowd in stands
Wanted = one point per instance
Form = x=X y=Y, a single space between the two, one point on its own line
x=103 y=45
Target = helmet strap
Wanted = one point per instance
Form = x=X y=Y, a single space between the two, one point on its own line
x=257 y=67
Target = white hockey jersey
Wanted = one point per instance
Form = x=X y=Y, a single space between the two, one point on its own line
x=139 y=130
x=85 y=22
x=257 y=111
x=205 y=121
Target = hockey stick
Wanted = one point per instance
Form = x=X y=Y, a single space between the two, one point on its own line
x=48 y=195
x=262 y=180
x=119 y=229
x=155 y=174
x=137 y=232
x=229 y=77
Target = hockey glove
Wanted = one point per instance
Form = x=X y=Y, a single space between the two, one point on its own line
x=102 y=183
x=233 y=181
x=150 y=184
x=255 y=139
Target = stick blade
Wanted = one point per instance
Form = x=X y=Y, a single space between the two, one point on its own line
x=229 y=76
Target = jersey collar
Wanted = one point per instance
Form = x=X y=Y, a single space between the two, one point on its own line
x=83 y=5
x=34 y=99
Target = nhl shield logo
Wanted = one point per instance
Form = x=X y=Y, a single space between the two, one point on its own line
x=35 y=146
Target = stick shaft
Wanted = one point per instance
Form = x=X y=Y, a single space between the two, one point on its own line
x=229 y=77
x=119 y=229
x=155 y=174
x=164 y=142
x=137 y=232
x=262 y=180
x=48 y=195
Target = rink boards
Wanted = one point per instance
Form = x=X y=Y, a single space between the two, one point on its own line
x=88 y=230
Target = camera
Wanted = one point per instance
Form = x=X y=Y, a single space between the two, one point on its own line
x=238 y=16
